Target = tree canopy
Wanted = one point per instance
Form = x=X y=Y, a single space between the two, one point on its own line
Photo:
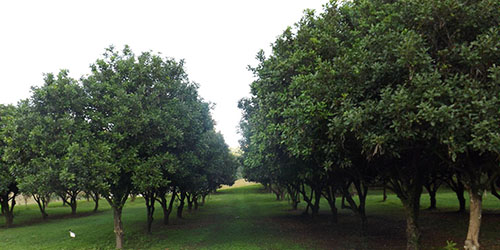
x=379 y=93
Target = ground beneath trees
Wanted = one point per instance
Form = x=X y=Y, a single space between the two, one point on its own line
x=247 y=217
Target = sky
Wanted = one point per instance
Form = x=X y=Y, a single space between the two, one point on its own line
x=218 y=39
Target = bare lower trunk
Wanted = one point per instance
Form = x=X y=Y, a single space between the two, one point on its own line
x=42 y=203
x=181 y=205
x=412 y=230
x=190 y=201
x=384 y=198
x=307 y=199
x=330 y=197
x=294 y=197
x=432 y=195
x=494 y=190
x=166 y=205
x=203 y=199
x=358 y=209
x=117 y=216
x=96 y=197
x=73 y=205
x=150 y=208
x=315 y=206
x=460 y=196
x=8 y=210
x=195 y=202
x=472 y=241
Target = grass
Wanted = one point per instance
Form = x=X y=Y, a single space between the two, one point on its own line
x=246 y=218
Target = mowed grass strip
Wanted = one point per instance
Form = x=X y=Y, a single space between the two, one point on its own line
x=246 y=217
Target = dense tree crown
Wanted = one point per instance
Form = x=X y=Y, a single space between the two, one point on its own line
x=392 y=93
x=134 y=125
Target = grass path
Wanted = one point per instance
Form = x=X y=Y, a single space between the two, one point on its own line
x=245 y=218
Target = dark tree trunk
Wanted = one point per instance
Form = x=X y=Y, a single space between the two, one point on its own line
x=195 y=202
x=411 y=208
x=150 y=198
x=189 y=198
x=494 y=189
x=203 y=199
x=166 y=205
x=170 y=207
x=384 y=198
x=461 y=200
x=181 y=204
x=343 y=205
x=315 y=206
x=358 y=209
x=458 y=187
x=307 y=199
x=95 y=197
x=432 y=195
x=407 y=184
x=42 y=204
x=63 y=198
x=294 y=196
x=8 y=210
x=73 y=204
x=330 y=197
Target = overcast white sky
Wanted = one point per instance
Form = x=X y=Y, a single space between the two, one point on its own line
x=217 y=39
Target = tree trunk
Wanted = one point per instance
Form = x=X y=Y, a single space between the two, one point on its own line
x=64 y=199
x=203 y=199
x=166 y=206
x=42 y=203
x=190 y=201
x=117 y=216
x=195 y=201
x=412 y=229
x=384 y=198
x=73 y=204
x=460 y=196
x=150 y=208
x=411 y=205
x=307 y=199
x=494 y=190
x=432 y=196
x=359 y=210
x=330 y=197
x=96 y=198
x=8 y=210
x=181 y=205
x=293 y=192
x=315 y=207
x=475 y=207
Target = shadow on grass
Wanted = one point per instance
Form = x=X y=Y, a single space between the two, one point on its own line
x=52 y=217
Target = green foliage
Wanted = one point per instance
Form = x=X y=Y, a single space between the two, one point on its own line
x=379 y=90
x=450 y=245
x=135 y=124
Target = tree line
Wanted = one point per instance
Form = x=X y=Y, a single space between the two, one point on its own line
x=134 y=126
x=399 y=94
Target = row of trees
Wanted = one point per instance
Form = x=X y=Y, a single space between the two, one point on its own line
x=134 y=125
x=404 y=94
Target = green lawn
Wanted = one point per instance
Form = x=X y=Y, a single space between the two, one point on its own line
x=246 y=218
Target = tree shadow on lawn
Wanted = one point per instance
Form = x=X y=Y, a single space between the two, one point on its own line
x=52 y=217
x=384 y=231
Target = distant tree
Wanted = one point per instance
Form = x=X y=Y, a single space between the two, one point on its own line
x=35 y=172
x=60 y=103
x=8 y=183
